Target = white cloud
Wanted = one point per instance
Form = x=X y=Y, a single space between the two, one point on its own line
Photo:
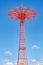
x=8 y=53
x=35 y=47
x=8 y=63
x=33 y=60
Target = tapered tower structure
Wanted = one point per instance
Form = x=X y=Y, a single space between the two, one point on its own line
x=22 y=14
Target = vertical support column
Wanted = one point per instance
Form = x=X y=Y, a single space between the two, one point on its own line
x=22 y=56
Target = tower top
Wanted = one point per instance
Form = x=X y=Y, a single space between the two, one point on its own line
x=22 y=13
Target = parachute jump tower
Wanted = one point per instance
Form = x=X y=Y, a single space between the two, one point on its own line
x=21 y=14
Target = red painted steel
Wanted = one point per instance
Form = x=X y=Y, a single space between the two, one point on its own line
x=22 y=14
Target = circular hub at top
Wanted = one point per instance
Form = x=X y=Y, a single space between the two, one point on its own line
x=22 y=13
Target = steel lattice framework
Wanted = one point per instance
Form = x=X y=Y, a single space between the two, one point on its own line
x=22 y=14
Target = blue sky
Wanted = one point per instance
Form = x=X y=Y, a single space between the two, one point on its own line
x=9 y=31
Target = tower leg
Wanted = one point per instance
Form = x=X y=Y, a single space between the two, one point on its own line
x=22 y=57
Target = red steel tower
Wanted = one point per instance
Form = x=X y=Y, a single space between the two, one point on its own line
x=22 y=14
